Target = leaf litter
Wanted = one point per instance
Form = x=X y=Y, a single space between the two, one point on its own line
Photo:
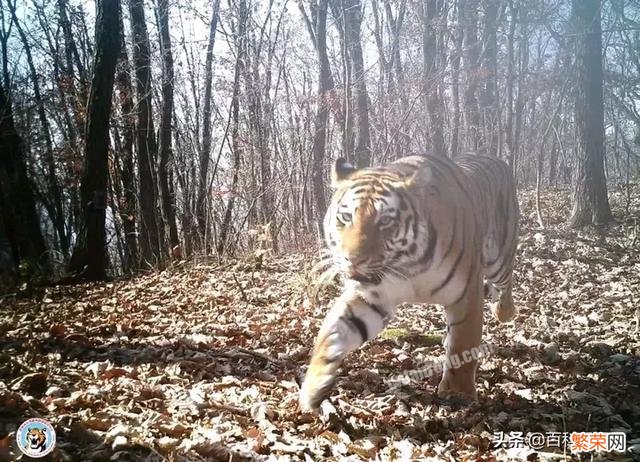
x=202 y=361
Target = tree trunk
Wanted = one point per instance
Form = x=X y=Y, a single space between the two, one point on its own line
x=258 y=109
x=346 y=113
x=90 y=255
x=510 y=83
x=128 y=204
x=235 y=134
x=165 y=152
x=63 y=77
x=201 y=208
x=490 y=107
x=523 y=69
x=352 y=23
x=73 y=57
x=432 y=14
x=18 y=209
x=515 y=104
x=325 y=85
x=455 y=78
x=471 y=67
x=590 y=201
x=145 y=138
x=386 y=78
x=55 y=206
x=395 y=26
x=553 y=163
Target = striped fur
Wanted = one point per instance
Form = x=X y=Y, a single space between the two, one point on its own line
x=419 y=230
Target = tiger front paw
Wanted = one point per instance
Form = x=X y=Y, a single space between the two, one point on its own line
x=314 y=390
x=457 y=388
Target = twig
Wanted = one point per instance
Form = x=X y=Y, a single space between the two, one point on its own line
x=258 y=354
x=244 y=295
x=241 y=352
x=17 y=363
x=357 y=408
x=228 y=408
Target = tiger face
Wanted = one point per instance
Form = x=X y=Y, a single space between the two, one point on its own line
x=36 y=439
x=370 y=226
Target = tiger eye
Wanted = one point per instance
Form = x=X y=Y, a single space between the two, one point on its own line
x=345 y=217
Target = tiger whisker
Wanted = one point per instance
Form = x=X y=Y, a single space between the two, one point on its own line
x=327 y=275
x=323 y=280
x=396 y=272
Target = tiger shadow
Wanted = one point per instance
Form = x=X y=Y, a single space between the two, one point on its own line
x=509 y=401
x=203 y=360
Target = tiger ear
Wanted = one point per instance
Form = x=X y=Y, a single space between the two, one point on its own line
x=341 y=171
x=422 y=176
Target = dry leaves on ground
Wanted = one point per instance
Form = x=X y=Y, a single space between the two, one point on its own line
x=201 y=361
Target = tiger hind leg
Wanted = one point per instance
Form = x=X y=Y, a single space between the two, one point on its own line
x=499 y=283
x=502 y=305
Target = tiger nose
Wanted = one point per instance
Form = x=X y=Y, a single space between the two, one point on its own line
x=354 y=263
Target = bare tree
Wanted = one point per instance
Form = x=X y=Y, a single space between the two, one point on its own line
x=230 y=142
x=55 y=206
x=18 y=215
x=590 y=201
x=469 y=19
x=89 y=258
x=318 y=33
x=352 y=13
x=73 y=60
x=124 y=156
x=489 y=96
x=518 y=63
x=206 y=128
x=165 y=151
x=458 y=37
x=325 y=86
x=236 y=143
x=146 y=146
x=432 y=16
x=395 y=24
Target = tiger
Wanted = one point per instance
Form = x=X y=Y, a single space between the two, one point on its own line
x=422 y=229
x=36 y=439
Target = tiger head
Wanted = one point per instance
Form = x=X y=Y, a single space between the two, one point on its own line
x=371 y=225
x=36 y=438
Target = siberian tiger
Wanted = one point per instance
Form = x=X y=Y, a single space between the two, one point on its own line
x=419 y=230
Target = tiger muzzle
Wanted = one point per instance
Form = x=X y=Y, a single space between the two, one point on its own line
x=366 y=279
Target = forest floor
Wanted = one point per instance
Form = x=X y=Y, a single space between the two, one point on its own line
x=200 y=361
